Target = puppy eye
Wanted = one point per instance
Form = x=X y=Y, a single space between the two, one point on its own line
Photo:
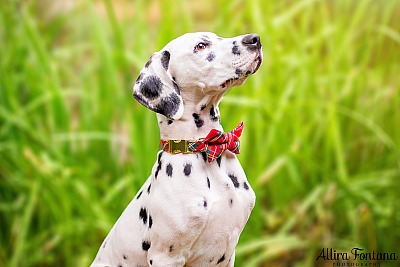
x=201 y=46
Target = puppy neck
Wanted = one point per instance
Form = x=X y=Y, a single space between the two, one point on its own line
x=201 y=114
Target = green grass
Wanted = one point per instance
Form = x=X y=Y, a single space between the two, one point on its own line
x=320 y=145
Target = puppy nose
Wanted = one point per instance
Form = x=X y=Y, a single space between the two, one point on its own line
x=252 y=41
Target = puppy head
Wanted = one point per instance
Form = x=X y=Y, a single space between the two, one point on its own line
x=202 y=62
x=213 y=63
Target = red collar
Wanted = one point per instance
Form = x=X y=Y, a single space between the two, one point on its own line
x=215 y=143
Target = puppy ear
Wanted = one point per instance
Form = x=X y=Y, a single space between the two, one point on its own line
x=156 y=89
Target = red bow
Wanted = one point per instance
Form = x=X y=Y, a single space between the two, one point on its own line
x=217 y=142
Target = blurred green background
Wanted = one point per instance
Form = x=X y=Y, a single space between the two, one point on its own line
x=320 y=146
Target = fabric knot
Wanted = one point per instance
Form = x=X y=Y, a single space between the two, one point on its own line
x=217 y=142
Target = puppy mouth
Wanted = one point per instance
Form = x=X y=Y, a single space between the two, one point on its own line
x=258 y=60
x=253 y=68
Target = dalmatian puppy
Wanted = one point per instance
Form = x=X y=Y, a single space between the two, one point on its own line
x=191 y=210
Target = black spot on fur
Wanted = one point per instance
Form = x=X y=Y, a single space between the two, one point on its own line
x=231 y=202
x=139 y=195
x=204 y=155
x=148 y=189
x=234 y=180
x=158 y=170
x=160 y=156
x=206 y=39
x=169 y=170
x=221 y=259
x=235 y=49
x=176 y=87
x=151 y=262
x=168 y=106
x=246 y=186
x=143 y=215
x=238 y=71
x=139 y=78
x=159 y=163
x=146 y=245
x=248 y=73
x=150 y=221
x=205 y=203
x=213 y=114
x=208 y=183
x=171 y=248
x=148 y=62
x=187 y=170
x=219 y=161
x=151 y=87
x=197 y=120
x=165 y=59
x=125 y=257
x=203 y=107
x=170 y=122
x=210 y=57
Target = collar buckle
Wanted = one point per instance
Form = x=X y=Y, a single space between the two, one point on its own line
x=179 y=146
